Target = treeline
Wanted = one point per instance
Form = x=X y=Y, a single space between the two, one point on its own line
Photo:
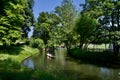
x=98 y=22
x=107 y=30
x=56 y=27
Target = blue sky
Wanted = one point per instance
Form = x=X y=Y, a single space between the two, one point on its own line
x=49 y=5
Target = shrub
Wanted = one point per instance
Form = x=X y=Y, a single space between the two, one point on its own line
x=78 y=52
x=37 y=43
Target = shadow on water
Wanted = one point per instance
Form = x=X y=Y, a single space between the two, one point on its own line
x=100 y=59
x=113 y=63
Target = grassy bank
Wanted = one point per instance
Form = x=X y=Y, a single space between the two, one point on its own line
x=17 y=53
x=11 y=68
x=98 y=58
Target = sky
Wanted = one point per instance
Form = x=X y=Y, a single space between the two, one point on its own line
x=49 y=5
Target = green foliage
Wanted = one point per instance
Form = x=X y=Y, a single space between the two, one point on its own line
x=46 y=26
x=85 y=24
x=85 y=27
x=11 y=68
x=99 y=58
x=107 y=13
x=12 y=20
x=10 y=23
x=42 y=27
x=16 y=53
x=28 y=16
x=67 y=13
x=37 y=43
x=78 y=52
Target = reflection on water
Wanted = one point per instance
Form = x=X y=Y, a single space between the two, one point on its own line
x=29 y=63
x=66 y=66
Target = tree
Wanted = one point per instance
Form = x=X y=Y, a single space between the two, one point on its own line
x=67 y=14
x=28 y=16
x=85 y=27
x=108 y=13
x=46 y=26
x=12 y=20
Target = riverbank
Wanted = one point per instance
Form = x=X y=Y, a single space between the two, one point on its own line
x=11 y=68
x=104 y=58
x=17 y=53
x=10 y=63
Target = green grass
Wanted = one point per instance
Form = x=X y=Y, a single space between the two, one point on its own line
x=11 y=68
x=17 y=54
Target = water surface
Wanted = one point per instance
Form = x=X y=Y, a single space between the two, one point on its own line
x=66 y=66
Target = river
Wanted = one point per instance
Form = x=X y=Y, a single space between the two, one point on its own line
x=64 y=65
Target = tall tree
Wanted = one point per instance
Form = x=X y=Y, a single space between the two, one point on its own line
x=28 y=16
x=108 y=13
x=46 y=26
x=67 y=13
x=11 y=20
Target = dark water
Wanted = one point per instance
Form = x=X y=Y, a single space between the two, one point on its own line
x=65 y=66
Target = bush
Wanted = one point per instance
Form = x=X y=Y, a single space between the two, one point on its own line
x=78 y=52
x=37 y=43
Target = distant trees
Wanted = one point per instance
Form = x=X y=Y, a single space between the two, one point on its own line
x=13 y=17
x=56 y=27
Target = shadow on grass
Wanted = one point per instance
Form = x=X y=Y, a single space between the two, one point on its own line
x=104 y=59
x=12 y=50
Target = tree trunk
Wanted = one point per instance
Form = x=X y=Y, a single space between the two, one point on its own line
x=68 y=46
x=81 y=45
x=115 y=49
